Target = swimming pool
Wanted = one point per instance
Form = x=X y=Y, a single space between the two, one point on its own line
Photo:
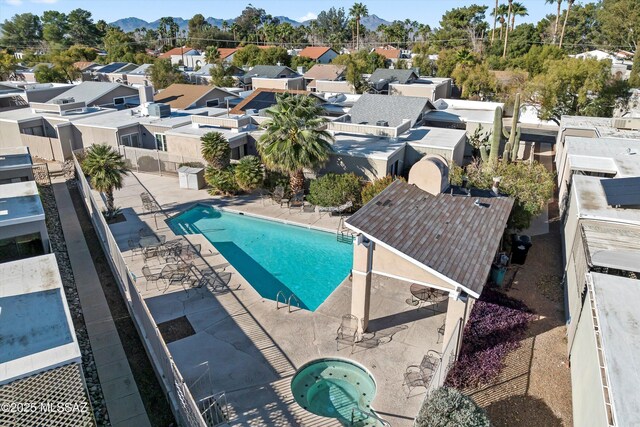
x=273 y=256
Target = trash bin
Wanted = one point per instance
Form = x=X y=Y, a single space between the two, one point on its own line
x=497 y=274
x=519 y=248
x=192 y=178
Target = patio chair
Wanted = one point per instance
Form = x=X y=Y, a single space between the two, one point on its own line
x=296 y=201
x=191 y=251
x=134 y=248
x=348 y=332
x=150 y=252
x=150 y=277
x=335 y=209
x=277 y=195
x=415 y=377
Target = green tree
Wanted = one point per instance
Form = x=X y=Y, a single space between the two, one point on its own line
x=221 y=75
x=249 y=173
x=302 y=61
x=211 y=55
x=54 y=28
x=332 y=27
x=81 y=29
x=120 y=46
x=447 y=407
x=373 y=188
x=358 y=11
x=246 y=56
x=273 y=56
x=294 y=138
x=215 y=150
x=21 y=31
x=566 y=17
x=447 y=61
x=7 y=65
x=197 y=23
x=162 y=74
x=634 y=78
x=107 y=169
x=534 y=60
x=620 y=23
x=335 y=189
x=476 y=81
x=49 y=74
x=248 y=23
x=558 y=4
x=221 y=181
x=462 y=27
x=359 y=63
x=517 y=9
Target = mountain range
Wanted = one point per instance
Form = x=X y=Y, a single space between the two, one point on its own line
x=371 y=22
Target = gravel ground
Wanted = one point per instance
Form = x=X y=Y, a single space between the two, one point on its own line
x=535 y=386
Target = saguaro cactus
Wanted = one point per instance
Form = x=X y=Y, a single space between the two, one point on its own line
x=513 y=145
x=496 y=136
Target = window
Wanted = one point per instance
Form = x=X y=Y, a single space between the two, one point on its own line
x=393 y=169
x=161 y=141
x=238 y=152
x=131 y=140
x=213 y=103
x=118 y=101
x=35 y=130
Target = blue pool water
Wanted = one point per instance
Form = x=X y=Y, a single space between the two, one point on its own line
x=273 y=256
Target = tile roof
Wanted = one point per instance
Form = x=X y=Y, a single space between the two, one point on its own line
x=263 y=98
x=325 y=72
x=314 y=52
x=181 y=96
x=180 y=50
x=269 y=71
x=225 y=52
x=389 y=53
x=371 y=108
x=400 y=76
x=446 y=233
x=90 y=91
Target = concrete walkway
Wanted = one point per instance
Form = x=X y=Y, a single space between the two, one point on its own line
x=118 y=386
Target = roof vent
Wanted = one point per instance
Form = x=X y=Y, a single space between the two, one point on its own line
x=63 y=101
x=382 y=123
x=627 y=124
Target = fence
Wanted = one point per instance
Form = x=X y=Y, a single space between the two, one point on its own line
x=45 y=148
x=185 y=407
x=155 y=161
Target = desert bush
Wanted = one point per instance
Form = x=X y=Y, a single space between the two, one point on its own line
x=215 y=150
x=249 y=173
x=447 y=407
x=372 y=189
x=335 y=189
x=496 y=325
x=275 y=179
x=221 y=181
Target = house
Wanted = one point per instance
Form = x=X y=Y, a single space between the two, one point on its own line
x=99 y=94
x=114 y=72
x=182 y=96
x=390 y=111
x=320 y=54
x=138 y=76
x=620 y=65
x=29 y=74
x=180 y=55
x=391 y=54
x=18 y=95
x=261 y=99
x=226 y=53
x=40 y=357
x=15 y=165
x=23 y=231
x=432 y=88
x=425 y=233
x=272 y=77
x=323 y=77
x=381 y=77
x=203 y=75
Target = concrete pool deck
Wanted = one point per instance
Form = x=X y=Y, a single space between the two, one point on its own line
x=238 y=343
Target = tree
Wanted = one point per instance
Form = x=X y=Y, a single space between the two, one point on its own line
x=120 y=46
x=302 y=61
x=211 y=55
x=534 y=60
x=559 y=9
x=49 y=74
x=495 y=17
x=357 y=11
x=634 y=78
x=215 y=150
x=462 y=27
x=359 y=63
x=620 y=23
x=162 y=74
x=476 y=81
x=248 y=23
x=107 y=169
x=575 y=87
x=294 y=139
x=332 y=27
x=7 y=66
x=249 y=173
x=566 y=16
x=54 y=28
x=221 y=75
x=447 y=407
x=246 y=56
x=373 y=188
x=517 y=9
x=506 y=34
x=196 y=23
x=447 y=61
x=21 y=31
x=81 y=29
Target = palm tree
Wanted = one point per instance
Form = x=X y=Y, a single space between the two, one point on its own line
x=506 y=34
x=500 y=13
x=518 y=9
x=211 y=55
x=294 y=139
x=495 y=18
x=107 y=168
x=215 y=150
x=564 y=26
x=225 y=26
x=234 y=29
x=358 y=10
x=555 y=26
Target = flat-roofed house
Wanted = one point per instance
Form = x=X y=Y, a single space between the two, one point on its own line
x=320 y=54
x=272 y=77
x=15 y=165
x=327 y=78
x=139 y=76
x=115 y=72
x=381 y=78
x=184 y=96
x=23 y=231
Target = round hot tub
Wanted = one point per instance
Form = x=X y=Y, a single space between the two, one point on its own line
x=336 y=388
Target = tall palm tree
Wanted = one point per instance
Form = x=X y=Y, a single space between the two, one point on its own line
x=215 y=150
x=501 y=12
x=211 y=55
x=358 y=10
x=555 y=26
x=225 y=26
x=495 y=18
x=564 y=26
x=107 y=168
x=506 y=34
x=518 y=9
x=294 y=139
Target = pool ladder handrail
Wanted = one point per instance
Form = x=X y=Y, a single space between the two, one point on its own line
x=286 y=301
x=372 y=414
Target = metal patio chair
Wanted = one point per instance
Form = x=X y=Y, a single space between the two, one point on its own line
x=150 y=277
x=348 y=332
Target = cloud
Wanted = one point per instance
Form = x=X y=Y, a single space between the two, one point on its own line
x=14 y=2
x=308 y=16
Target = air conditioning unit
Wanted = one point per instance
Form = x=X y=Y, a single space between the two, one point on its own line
x=627 y=124
x=63 y=101
x=159 y=110
x=382 y=123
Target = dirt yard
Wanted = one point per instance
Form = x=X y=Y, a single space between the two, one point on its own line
x=535 y=386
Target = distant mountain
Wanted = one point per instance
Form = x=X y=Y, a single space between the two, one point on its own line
x=371 y=22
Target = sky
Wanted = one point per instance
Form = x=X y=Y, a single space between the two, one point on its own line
x=423 y=11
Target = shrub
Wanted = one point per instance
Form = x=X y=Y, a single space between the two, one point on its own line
x=447 y=407
x=221 y=181
x=335 y=190
x=249 y=173
x=275 y=179
x=215 y=150
x=191 y=164
x=496 y=325
x=372 y=189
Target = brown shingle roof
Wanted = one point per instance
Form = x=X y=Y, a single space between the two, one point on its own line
x=314 y=52
x=445 y=233
x=175 y=51
x=389 y=53
x=181 y=96
x=325 y=72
